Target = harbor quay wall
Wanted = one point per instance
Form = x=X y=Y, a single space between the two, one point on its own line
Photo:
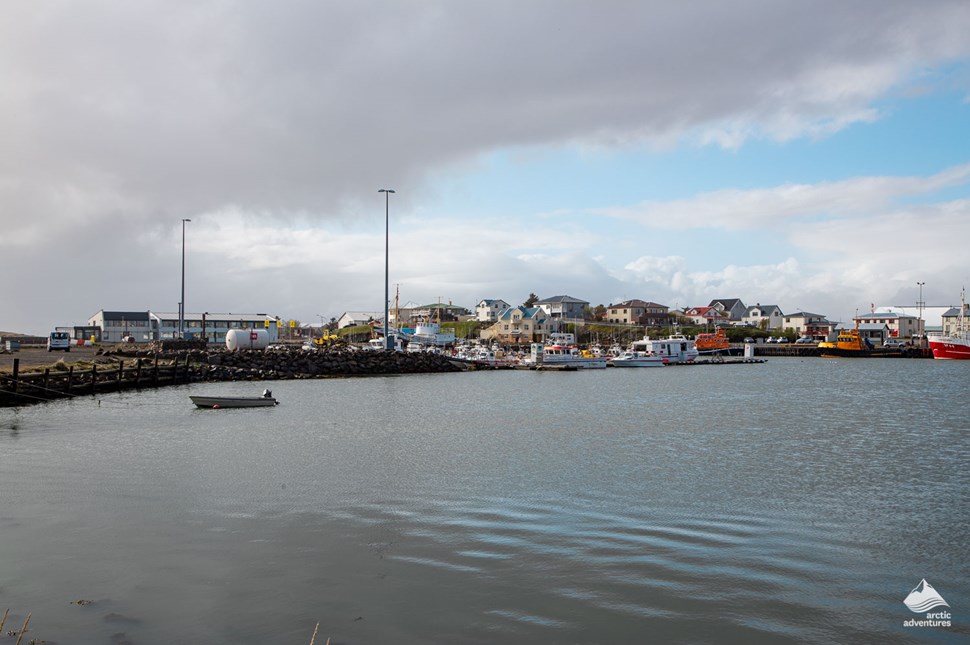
x=124 y=369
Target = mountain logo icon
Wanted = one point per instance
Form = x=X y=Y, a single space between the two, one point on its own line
x=924 y=598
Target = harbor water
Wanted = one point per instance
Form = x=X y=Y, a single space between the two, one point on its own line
x=795 y=501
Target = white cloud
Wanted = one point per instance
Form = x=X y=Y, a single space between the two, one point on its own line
x=782 y=206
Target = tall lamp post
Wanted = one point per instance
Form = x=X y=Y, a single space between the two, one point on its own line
x=919 y=308
x=387 y=197
x=182 y=301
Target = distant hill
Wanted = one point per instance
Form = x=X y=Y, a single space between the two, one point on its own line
x=10 y=334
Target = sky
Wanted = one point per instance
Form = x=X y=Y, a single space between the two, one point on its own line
x=810 y=155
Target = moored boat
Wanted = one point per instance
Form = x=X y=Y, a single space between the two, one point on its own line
x=848 y=344
x=564 y=356
x=217 y=402
x=954 y=344
x=708 y=343
x=637 y=359
x=672 y=350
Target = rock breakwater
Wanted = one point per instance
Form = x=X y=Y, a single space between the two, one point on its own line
x=224 y=365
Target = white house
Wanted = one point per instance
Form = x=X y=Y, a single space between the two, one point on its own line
x=488 y=309
x=357 y=318
x=768 y=315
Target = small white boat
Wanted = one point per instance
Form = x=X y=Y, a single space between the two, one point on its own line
x=217 y=402
x=637 y=359
x=568 y=356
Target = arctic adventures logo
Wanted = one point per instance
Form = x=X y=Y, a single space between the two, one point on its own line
x=925 y=598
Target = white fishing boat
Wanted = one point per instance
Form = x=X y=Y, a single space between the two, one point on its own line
x=673 y=349
x=564 y=356
x=217 y=402
x=637 y=359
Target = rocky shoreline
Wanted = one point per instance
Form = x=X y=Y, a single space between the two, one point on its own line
x=224 y=365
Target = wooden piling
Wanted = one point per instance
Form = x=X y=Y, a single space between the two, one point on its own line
x=16 y=373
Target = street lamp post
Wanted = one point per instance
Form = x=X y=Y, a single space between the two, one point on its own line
x=919 y=308
x=387 y=196
x=182 y=301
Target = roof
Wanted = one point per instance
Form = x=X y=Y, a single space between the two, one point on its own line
x=804 y=314
x=173 y=315
x=124 y=315
x=636 y=303
x=952 y=312
x=885 y=315
x=727 y=303
x=871 y=327
x=492 y=301
x=704 y=311
x=766 y=309
x=527 y=312
x=562 y=299
x=440 y=305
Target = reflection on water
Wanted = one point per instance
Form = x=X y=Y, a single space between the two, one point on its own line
x=796 y=501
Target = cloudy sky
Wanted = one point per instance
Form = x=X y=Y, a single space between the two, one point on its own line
x=813 y=155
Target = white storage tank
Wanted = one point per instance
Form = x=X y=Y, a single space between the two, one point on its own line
x=239 y=339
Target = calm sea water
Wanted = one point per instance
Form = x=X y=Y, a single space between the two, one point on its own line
x=791 y=502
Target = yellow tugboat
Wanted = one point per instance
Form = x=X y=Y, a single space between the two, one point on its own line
x=849 y=343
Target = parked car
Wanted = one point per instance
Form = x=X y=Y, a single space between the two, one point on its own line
x=895 y=343
x=805 y=340
x=748 y=339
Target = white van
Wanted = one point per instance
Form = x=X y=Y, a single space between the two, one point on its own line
x=59 y=340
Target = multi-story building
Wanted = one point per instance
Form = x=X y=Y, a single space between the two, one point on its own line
x=706 y=316
x=145 y=326
x=763 y=316
x=733 y=308
x=897 y=325
x=519 y=325
x=559 y=307
x=488 y=309
x=637 y=312
x=804 y=323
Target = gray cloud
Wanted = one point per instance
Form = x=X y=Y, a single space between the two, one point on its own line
x=117 y=119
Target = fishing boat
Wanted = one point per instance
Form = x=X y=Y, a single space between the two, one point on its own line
x=848 y=344
x=636 y=359
x=711 y=343
x=217 y=402
x=955 y=343
x=564 y=356
x=672 y=350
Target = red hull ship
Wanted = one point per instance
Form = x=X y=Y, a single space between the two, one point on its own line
x=954 y=345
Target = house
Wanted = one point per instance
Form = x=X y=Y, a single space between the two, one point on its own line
x=519 y=325
x=763 y=316
x=952 y=320
x=488 y=309
x=733 y=308
x=637 y=312
x=559 y=307
x=705 y=315
x=805 y=323
x=358 y=318
x=897 y=325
